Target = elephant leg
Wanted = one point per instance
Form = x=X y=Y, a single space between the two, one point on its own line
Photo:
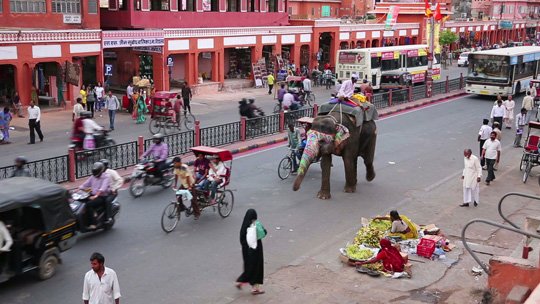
x=326 y=162
x=368 y=154
x=350 y=172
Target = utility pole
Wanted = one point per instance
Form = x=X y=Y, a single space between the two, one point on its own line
x=431 y=43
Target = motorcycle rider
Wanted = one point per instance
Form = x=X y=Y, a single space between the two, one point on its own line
x=20 y=167
x=116 y=181
x=99 y=184
x=159 y=151
x=255 y=111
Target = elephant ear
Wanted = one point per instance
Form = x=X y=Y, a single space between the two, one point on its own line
x=340 y=140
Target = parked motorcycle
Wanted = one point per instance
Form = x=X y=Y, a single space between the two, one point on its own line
x=78 y=204
x=145 y=175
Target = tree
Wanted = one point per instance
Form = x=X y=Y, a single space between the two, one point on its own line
x=447 y=37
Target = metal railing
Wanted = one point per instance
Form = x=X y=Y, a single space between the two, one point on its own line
x=261 y=126
x=499 y=207
x=292 y=116
x=454 y=84
x=419 y=92
x=178 y=143
x=54 y=169
x=475 y=257
x=380 y=100
x=119 y=156
x=400 y=96
x=221 y=134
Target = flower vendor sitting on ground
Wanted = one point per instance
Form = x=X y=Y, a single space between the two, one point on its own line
x=389 y=256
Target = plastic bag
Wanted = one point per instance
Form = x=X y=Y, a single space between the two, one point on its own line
x=251 y=236
x=89 y=143
x=261 y=232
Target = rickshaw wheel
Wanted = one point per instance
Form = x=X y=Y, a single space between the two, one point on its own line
x=47 y=267
x=527 y=172
x=189 y=122
x=155 y=125
x=171 y=215
x=523 y=162
x=225 y=203
x=285 y=167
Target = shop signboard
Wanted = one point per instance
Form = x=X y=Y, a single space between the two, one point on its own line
x=170 y=62
x=72 y=19
x=149 y=49
x=505 y=25
x=108 y=70
x=132 y=39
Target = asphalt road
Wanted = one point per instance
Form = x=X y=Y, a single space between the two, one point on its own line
x=200 y=260
x=210 y=110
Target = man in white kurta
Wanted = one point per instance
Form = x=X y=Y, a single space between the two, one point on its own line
x=472 y=175
x=509 y=106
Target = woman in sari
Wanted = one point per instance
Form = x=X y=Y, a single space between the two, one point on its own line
x=141 y=110
x=134 y=112
x=389 y=256
x=402 y=226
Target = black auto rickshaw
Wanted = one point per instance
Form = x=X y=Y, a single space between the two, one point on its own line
x=40 y=222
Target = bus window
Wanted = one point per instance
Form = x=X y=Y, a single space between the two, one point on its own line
x=491 y=68
x=413 y=62
x=524 y=70
x=389 y=65
x=437 y=59
x=375 y=62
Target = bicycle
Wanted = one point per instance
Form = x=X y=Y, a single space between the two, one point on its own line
x=285 y=167
x=165 y=124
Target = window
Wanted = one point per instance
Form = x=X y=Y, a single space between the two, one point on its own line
x=375 y=62
x=325 y=11
x=66 y=6
x=313 y=11
x=413 y=62
x=159 y=5
x=272 y=5
x=524 y=70
x=92 y=7
x=107 y=4
x=388 y=65
x=233 y=5
x=1 y=6
x=250 y=5
x=27 y=6
x=488 y=68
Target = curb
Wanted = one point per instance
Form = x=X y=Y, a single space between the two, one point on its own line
x=427 y=102
x=259 y=145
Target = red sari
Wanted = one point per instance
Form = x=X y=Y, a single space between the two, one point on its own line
x=390 y=257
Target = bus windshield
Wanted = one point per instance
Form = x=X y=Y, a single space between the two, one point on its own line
x=489 y=68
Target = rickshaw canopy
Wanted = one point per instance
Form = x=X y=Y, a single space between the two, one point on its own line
x=306 y=120
x=224 y=155
x=165 y=95
x=535 y=81
x=50 y=198
x=294 y=78
x=534 y=125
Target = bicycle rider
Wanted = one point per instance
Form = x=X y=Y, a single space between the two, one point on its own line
x=294 y=138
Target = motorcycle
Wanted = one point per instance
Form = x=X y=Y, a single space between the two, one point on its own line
x=78 y=204
x=145 y=175
x=102 y=140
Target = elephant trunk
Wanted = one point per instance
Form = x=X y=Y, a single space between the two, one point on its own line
x=309 y=155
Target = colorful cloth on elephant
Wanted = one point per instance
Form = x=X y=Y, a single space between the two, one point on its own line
x=312 y=148
x=342 y=134
x=366 y=112
x=347 y=103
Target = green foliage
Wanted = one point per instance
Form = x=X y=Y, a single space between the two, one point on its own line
x=370 y=16
x=447 y=37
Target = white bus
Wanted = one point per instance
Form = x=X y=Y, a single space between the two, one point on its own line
x=504 y=71
x=376 y=63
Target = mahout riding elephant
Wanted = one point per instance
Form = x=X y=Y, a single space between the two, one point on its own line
x=337 y=133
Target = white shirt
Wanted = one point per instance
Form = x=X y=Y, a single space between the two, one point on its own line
x=5 y=238
x=497 y=111
x=99 y=92
x=491 y=147
x=398 y=226
x=528 y=102
x=484 y=132
x=34 y=113
x=288 y=100
x=307 y=85
x=346 y=89
x=103 y=291
x=521 y=120
x=77 y=109
x=129 y=91
x=90 y=126
x=116 y=180
x=471 y=171
x=112 y=103
x=218 y=173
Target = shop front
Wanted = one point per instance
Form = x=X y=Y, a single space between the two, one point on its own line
x=7 y=81
x=238 y=62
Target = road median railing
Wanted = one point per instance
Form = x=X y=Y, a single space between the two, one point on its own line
x=78 y=164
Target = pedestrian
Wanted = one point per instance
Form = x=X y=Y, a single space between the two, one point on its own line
x=528 y=104
x=492 y=153
x=91 y=100
x=100 y=283
x=270 y=80
x=497 y=112
x=472 y=175
x=252 y=253
x=497 y=129
x=84 y=94
x=186 y=96
x=521 y=122
x=129 y=93
x=34 y=122
x=142 y=110
x=112 y=104
x=100 y=96
x=177 y=107
x=5 y=120
x=483 y=135
x=306 y=84
x=77 y=109
x=17 y=107
x=280 y=93
x=328 y=79
x=509 y=105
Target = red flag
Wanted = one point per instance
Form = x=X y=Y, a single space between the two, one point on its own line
x=438 y=16
x=428 y=12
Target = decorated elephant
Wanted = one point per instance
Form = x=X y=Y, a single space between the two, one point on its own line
x=345 y=135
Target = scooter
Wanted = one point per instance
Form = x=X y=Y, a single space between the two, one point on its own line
x=78 y=204
x=145 y=175
x=102 y=140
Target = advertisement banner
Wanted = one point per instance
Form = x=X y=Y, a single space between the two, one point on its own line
x=388 y=56
x=391 y=17
x=133 y=42
x=437 y=35
x=412 y=53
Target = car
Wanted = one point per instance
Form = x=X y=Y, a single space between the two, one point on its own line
x=463 y=59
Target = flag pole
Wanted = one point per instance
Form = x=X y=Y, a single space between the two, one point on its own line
x=431 y=42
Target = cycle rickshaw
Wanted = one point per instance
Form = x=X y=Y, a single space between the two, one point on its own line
x=224 y=197
x=530 y=151
x=165 y=118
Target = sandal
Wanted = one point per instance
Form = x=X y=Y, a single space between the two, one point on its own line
x=239 y=285
x=257 y=291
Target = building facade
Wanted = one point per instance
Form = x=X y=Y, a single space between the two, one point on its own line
x=50 y=47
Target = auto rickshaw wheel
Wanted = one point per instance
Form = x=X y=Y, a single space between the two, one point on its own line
x=47 y=267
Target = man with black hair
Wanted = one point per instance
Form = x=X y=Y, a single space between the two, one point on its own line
x=100 y=283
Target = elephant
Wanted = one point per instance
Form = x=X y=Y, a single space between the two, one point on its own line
x=323 y=143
